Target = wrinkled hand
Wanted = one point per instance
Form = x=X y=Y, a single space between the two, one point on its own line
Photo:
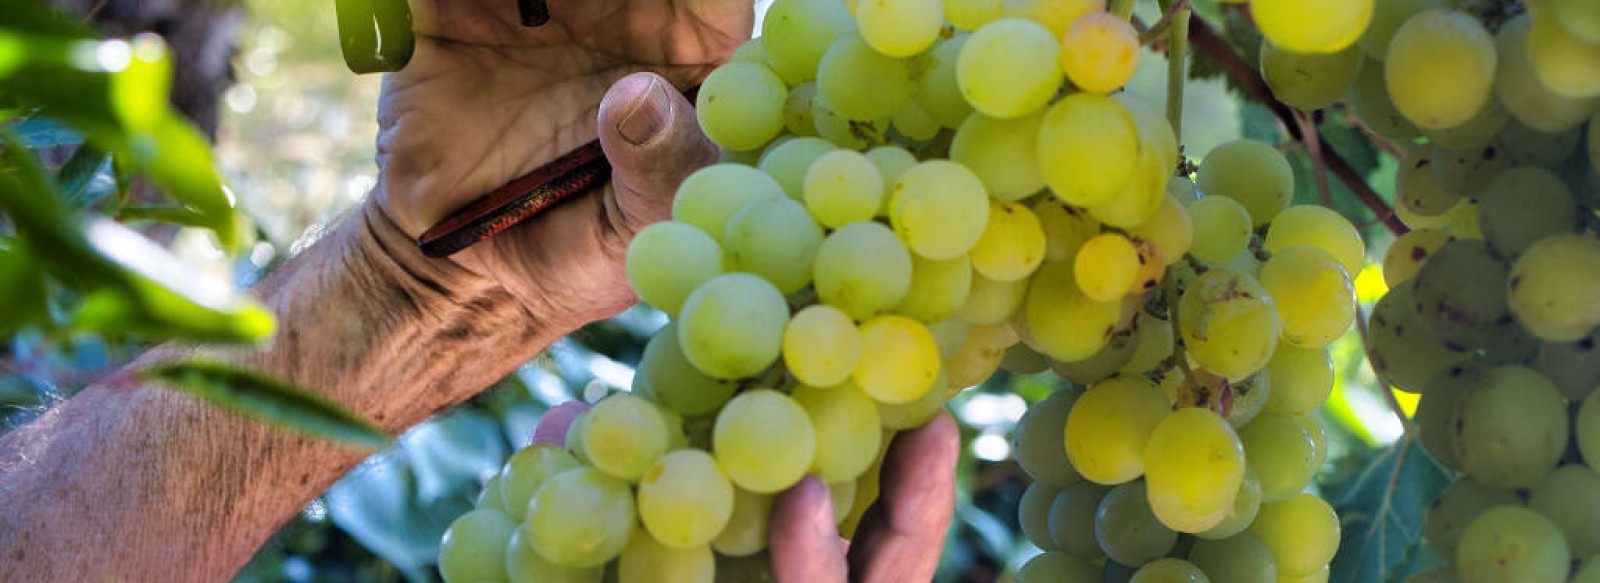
x=901 y=535
x=485 y=100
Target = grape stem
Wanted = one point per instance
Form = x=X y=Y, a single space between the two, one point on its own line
x=1177 y=19
x=1249 y=80
x=1122 y=8
x=1308 y=127
x=1160 y=27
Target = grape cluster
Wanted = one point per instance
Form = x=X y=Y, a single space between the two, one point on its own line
x=914 y=194
x=1493 y=310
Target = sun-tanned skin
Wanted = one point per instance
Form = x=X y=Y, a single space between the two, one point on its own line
x=125 y=482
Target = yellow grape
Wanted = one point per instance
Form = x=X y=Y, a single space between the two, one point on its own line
x=743 y=438
x=1313 y=294
x=1229 y=323
x=1066 y=324
x=685 y=499
x=1318 y=226
x=1440 y=68
x=1088 y=147
x=903 y=361
x=1108 y=425
x=1406 y=255
x=1066 y=228
x=847 y=429
x=899 y=28
x=1250 y=172
x=1566 y=65
x=1008 y=67
x=1193 y=466
x=992 y=302
x=1312 y=26
x=1012 y=245
x=938 y=288
x=821 y=346
x=939 y=209
x=1221 y=229
x=1106 y=267
x=1099 y=52
x=1169 y=229
x=1057 y=15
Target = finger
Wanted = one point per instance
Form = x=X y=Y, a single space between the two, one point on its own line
x=901 y=536
x=805 y=545
x=649 y=132
x=552 y=427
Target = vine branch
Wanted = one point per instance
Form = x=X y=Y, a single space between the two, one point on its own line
x=1207 y=41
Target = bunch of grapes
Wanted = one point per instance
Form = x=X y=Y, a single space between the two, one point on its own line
x=914 y=194
x=1494 y=298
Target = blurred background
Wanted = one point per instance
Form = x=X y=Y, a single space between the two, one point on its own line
x=294 y=135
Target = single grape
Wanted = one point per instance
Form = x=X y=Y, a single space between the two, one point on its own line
x=1242 y=558
x=624 y=436
x=528 y=470
x=1302 y=379
x=1033 y=513
x=1038 y=442
x=1152 y=345
x=732 y=325
x=673 y=382
x=580 y=518
x=1281 y=454
x=1467 y=171
x=1229 y=323
x=787 y=164
x=1008 y=67
x=1318 y=226
x=821 y=346
x=1057 y=567
x=978 y=357
x=1402 y=352
x=1510 y=427
x=1566 y=65
x=858 y=82
x=474 y=547
x=1553 y=287
x=1457 y=507
x=1001 y=153
x=711 y=195
x=939 y=89
x=1387 y=16
x=1221 y=228
x=1453 y=299
x=1418 y=189
x=1574 y=367
x=847 y=430
x=775 y=239
x=1312 y=293
x=1518 y=86
x=667 y=260
x=1302 y=533
x=1107 y=429
x=1522 y=206
x=1072 y=519
x=1440 y=67
x=1106 y=267
x=842 y=187
x=1020 y=359
x=1408 y=252
x=1193 y=464
x=1171 y=229
x=1066 y=324
x=1012 y=245
x=523 y=565
x=1369 y=97
x=764 y=441
x=1128 y=530
x=900 y=28
x=685 y=500
x=1169 y=571
x=1253 y=173
x=1099 y=52
x=1511 y=543
x=1246 y=504
x=797 y=119
x=798 y=32
x=939 y=208
x=938 y=288
x=843 y=132
x=903 y=362
x=647 y=561
x=862 y=269
x=1570 y=498
x=1310 y=81
x=1088 y=146
x=740 y=105
x=1312 y=26
x=490 y=497
x=746 y=531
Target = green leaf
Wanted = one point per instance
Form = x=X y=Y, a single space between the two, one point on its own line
x=77 y=179
x=1381 y=512
x=23 y=287
x=38 y=17
x=257 y=395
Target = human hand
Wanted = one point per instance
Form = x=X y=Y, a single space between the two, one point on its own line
x=899 y=539
x=485 y=100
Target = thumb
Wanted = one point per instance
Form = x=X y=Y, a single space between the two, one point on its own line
x=805 y=544
x=649 y=133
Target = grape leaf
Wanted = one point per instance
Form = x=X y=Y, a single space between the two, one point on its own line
x=257 y=395
x=1381 y=510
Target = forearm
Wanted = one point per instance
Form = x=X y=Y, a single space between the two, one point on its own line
x=133 y=482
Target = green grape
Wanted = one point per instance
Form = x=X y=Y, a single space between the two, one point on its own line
x=1417 y=188
x=1020 y=359
x=1588 y=427
x=1408 y=252
x=1221 y=228
x=740 y=105
x=1518 y=86
x=1476 y=132
x=979 y=356
x=1250 y=396
x=1106 y=267
x=903 y=362
x=1099 y=52
x=745 y=435
x=1281 y=453
x=1553 y=287
x=1573 y=367
x=1246 y=504
x=1467 y=172
x=1302 y=379
x=1008 y=67
x=789 y=162
x=732 y=325
x=1369 y=97
x=1169 y=571
x=580 y=518
x=685 y=500
x=1170 y=229
x=1457 y=507
x=1229 y=323
x=574 y=438
x=1108 y=426
x=843 y=187
x=1566 y=65
x=1155 y=132
x=1128 y=530
x=1056 y=15
x=1057 y=567
x=862 y=269
x=1302 y=533
x=746 y=531
x=1570 y=498
x=1038 y=443
x=1318 y=576
x=1140 y=197
x=624 y=436
x=474 y=547
x=1066 y=229
x=647 y=561
x=900 y=28
x=798 y=32
x=1072 y=519
x=1533 y=147
x=1193 y=466
x=971 y=14
x=797 y=119
x=1012 y=245
x=1103 y=364
x=528 y=470
x=1242 y=558
x=1439 y=68
x=490 y=497
x=1033 y=513
x=751 y=51
x=1510 y=427
x=1522 y=206
x=858 y=82
x=821 y=346
x=1578 y=18
x=672 y=381
x=1066 y=324
x=939 y=90
x=1313 y=295
x=677 y=438
x=1589 y=572
x=1401 y=351
x=1511 y=543
x=915 y=123
x=1437 y=409
x=843 y=497
x=1001 y=153
x=1310 y=81
x=891 y=162
x=1312 y=26
x=523 y=565
x=991 y=302
x=709 y=198
x=1387 y=16
x=1253 y=173
x=856 y=134
x=667 y=260
x=938 y=288
x=939 y=208
x=847 y=430
x=1318 y=226
x=776 y=239
x=1088 y=148
x=1152 y=345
